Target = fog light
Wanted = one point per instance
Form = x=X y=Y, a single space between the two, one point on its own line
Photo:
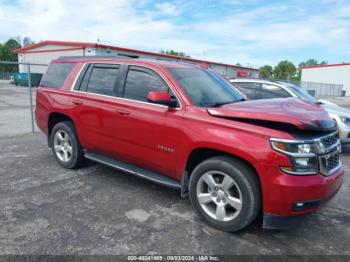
x=305 y=205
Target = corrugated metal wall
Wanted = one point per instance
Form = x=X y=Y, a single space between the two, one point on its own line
x=338 y=75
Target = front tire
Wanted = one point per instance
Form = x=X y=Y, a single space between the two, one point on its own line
x=66 y=146
x=225 y=193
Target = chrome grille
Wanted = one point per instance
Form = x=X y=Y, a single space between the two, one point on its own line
x=332 y=162
x=329 y=160
x=330 y=141
x=329 y=163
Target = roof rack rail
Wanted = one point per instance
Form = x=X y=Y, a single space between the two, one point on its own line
x=98 y=57
x=120 y=57
x=179 y=61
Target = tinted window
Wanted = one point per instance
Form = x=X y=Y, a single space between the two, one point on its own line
x=102 y=80
x=272 y=91
x=56 y=74
x=139 y=82
x=251 y=90
x=205 y=88
x=83 y=79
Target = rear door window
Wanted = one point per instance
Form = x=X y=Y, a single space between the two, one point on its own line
x=103 y=80
x=273 y=91
x=251 y=90
x=56 y=75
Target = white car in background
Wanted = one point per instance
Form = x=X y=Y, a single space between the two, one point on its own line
x=264 y=89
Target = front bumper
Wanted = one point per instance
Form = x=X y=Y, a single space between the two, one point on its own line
x=284 y=193
x=271 y=221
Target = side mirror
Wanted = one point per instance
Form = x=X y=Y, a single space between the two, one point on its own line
x=161 y=97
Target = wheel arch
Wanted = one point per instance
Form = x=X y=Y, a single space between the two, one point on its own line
x=200 y=154
x=53 y=119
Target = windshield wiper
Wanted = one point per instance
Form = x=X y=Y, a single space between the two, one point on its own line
x=227 y=102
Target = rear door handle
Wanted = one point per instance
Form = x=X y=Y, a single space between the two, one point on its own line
x=122 y=112
x=77 y=102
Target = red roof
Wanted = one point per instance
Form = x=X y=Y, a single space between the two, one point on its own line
x=326 y=65
x=97 y=45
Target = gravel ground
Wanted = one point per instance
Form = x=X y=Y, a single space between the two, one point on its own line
x=45 y=209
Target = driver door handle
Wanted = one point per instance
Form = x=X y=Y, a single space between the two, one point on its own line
x=77 y=102
x=122 y=112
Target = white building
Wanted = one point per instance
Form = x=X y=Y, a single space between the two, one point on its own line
x=44 y=52
x=338 y=74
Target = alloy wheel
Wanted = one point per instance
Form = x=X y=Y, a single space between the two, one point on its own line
x=219 y=196
x=63 y=145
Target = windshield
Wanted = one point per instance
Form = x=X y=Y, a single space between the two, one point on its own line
x=300 y=92
x=205 y=88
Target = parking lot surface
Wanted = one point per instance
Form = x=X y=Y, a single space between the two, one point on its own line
x=45 y=209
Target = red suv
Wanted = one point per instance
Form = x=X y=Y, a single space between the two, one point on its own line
x=185 y=127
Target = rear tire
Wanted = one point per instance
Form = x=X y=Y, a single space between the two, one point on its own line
x=66 y=146
x=225 y=192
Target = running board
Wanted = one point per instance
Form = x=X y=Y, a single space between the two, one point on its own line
x=134 y=170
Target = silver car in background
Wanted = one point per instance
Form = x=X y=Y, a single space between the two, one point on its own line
x=264 y=89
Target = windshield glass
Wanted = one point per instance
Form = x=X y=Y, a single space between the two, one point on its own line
x=300 y=92
x=206 y=88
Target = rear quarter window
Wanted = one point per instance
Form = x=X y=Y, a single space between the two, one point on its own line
x=56 y=75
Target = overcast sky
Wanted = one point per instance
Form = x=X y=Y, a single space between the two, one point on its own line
x=232 y=31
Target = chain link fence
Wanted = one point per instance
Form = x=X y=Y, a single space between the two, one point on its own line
x=323 y=90
x=319 y=90
x=18 y=82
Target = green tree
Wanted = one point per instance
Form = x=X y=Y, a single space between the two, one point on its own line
x=12 y=44
x=6 y=54
x=312 y=62
x=174 y=53
x=6 y=50
x=285 y=70
x=266 y=72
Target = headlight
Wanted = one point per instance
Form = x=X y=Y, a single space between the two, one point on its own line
x=345 y=120
x=301 y=154
x=293 y=147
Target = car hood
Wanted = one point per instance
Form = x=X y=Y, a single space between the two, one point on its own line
x=290 y=111
x=338 y=110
